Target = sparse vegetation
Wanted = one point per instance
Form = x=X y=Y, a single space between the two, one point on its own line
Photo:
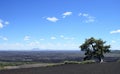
x=5 y=64
x=14 y=63
x=82 y=62
x=88 y=62
x=118 y=61
x=71 y=62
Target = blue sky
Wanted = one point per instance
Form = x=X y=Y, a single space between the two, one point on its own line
x=58 y=24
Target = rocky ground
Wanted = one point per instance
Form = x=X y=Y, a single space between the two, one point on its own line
x=97 y=68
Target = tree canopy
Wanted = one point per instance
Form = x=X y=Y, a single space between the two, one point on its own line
x=94 y=48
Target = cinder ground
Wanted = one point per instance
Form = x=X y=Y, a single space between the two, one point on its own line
x=104 y=68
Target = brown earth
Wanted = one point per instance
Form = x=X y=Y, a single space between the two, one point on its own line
x=101 y=68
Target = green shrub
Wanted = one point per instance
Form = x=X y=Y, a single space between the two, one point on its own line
x=118 y=61
x=88 y=62
x=71 y=62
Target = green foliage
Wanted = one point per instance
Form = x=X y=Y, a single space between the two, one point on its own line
x=94 y=48
x=76 y=62
x=118 y=61
x=71 y=62
x=88 y=62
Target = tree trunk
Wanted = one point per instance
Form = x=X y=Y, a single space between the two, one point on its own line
x=101 y=60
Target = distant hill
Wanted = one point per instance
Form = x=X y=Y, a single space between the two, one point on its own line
x=115 y=51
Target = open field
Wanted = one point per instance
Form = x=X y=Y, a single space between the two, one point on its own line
x=44 y=62
x=49 y=56
x=97 y=68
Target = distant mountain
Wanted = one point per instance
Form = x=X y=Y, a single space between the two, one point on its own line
x=115 y=51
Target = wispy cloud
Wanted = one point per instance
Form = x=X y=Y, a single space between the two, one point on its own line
x=66 y=14
x=80 y=14
x=115 y=31
x=67 y=38
x=34 y=43
x=3 y=23
x=62 y=36
x=42 y=39
x=88 y=18
x=53 y=38
x=3 y=38
x=52 y=19
x=6 y=23
x=85 y=15
x=26 y=38
x=113 y=41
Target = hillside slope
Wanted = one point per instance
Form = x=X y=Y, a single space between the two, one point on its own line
x=104 y=68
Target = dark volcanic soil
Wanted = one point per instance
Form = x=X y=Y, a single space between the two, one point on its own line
x=104 y=68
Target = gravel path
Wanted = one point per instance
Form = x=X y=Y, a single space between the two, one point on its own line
x=104 y=68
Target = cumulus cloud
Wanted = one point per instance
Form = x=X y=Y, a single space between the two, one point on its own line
x=88 y=18
x=26 y=38
x=53 y=38
x=52 y=19
x=66 y=14
x=115 y=31
x=3 y=23
x=3 y=38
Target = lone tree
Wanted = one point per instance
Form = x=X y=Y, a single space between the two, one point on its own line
x=94 y=48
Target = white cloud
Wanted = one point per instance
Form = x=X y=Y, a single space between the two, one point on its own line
x=42 y=39
x=66 y=14
x=80 y=14
x=115 y=31
x=3 y=23
x=34 y=43
x=26 y=38
x=61 y=36
x=67 y=38
x=3 y=38
x=6 y=23
x=85 y=15
x=113 y=41
x=52 y=19
x=53 y=38
x=88 y=18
